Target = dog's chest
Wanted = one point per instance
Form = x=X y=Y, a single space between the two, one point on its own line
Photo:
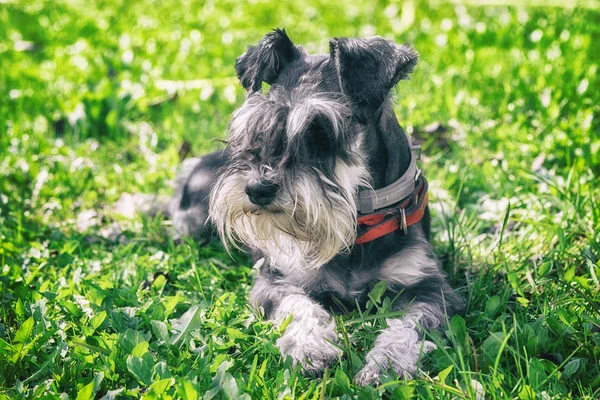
x=332 y=285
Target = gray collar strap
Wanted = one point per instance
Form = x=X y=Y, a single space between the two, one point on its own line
x=368 y=201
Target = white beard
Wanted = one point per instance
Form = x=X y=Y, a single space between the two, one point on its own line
x=299 y=230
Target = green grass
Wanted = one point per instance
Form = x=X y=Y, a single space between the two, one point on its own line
x=88 y=111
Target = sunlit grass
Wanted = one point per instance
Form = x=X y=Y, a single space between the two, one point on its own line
x=101 y=98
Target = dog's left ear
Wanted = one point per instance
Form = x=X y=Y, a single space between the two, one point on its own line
x=264 y=62
x=368 y=68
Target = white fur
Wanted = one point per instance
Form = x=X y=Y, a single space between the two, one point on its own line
x=255 y=105
x=408 y=267
x=399 y=346
x=299 y=230
x=306 y=109
x=309 y=337
x=199 y=181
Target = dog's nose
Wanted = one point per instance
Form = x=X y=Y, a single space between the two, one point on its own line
x=261 y=192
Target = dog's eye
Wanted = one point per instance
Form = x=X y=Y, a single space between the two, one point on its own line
x=317 y=139
x=278 y=147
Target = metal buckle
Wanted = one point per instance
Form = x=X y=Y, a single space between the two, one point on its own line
x=416 y=149
x=403 y=225
x=418 y=174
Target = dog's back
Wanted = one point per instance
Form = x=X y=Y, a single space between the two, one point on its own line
x=188 y=207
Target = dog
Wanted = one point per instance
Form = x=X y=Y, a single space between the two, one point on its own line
x=319 y=182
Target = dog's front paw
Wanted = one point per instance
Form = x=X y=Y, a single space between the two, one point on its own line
x=310 y=343
x=370 y=374
x=400 y=359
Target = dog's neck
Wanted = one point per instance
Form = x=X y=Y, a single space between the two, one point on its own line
x=388 y=148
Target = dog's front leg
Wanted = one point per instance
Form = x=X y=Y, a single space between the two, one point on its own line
x=399 y=346
x=426 y=300
x=310 y=336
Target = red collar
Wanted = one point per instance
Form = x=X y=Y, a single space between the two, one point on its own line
x=401 y=215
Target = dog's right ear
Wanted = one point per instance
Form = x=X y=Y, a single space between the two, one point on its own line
x=264 y=62
x=368 y=68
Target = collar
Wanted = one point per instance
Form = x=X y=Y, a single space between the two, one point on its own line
x=395 y=206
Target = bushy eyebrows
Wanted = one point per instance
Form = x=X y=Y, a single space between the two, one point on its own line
x=317 y=107
x=282 y=127
x=258 y=118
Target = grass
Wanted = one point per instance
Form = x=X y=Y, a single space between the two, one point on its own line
x=97 y=99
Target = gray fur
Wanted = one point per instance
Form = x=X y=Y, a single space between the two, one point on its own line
x=188 y=207
x=399 y=346
x=325 y=130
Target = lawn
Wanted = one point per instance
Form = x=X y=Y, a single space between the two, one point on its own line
x=101 y=98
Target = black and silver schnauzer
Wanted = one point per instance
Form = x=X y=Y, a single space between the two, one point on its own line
x=320 y=183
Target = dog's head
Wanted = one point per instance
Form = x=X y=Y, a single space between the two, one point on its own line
x=297 y=156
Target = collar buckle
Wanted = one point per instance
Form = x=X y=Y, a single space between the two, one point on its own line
x=403 y=224
x=416 y=149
